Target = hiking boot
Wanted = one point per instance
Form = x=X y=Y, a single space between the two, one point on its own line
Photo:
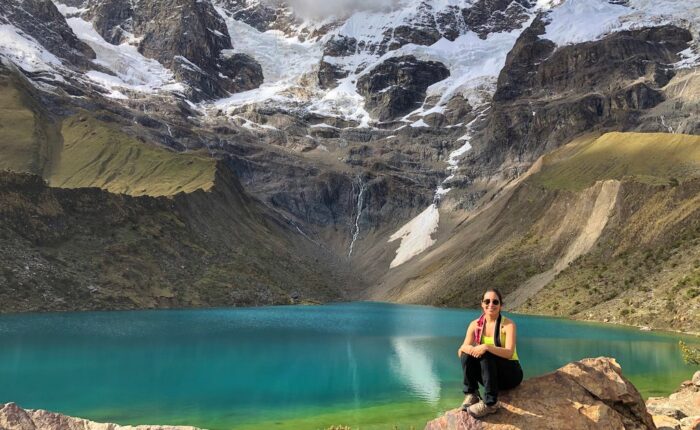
x=469 y=400
x=481 y=409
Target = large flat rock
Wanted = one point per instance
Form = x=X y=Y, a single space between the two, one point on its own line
x=587 y=394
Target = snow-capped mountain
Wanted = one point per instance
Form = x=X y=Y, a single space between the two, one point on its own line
x=365 y=127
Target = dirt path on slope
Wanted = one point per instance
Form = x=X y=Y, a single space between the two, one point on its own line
x=602 y=209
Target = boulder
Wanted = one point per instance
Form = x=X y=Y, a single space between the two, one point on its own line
x=12 y=417
x=587 y=394
x=680 y=410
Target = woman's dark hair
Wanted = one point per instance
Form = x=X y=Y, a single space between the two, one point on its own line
x=494 y=290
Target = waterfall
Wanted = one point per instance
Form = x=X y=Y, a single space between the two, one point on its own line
x=356 y=231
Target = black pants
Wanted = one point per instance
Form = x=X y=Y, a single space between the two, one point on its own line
x=494 y=372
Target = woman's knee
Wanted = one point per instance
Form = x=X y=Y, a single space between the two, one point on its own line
x=464 y=358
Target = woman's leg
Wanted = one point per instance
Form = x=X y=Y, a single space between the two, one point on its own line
x=499 y=374
x=490 y=377
x=471 y=369
x=510 y=374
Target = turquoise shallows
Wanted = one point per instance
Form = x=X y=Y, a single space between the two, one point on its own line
x=366 y=365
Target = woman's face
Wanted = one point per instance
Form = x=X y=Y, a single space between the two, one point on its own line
x=491 y=304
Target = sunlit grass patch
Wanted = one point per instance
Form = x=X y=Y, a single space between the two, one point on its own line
x=654 y=158
x=97 y=154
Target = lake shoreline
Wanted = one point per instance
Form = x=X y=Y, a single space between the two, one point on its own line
x=356 y=363
x=664 y=330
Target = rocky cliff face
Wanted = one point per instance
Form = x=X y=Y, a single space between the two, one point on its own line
x=546 y=95
x=345 y=128
x=397 y=86
x=187 y=37
x=42 y=21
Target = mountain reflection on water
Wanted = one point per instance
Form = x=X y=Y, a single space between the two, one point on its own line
x=351 y=363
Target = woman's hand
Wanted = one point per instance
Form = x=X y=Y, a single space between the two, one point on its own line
x=478 y=351
x=464 y=349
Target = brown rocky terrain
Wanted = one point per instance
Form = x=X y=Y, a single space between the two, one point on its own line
x=680 y=410
x=13 y=417
x=344 y=187
x=617 y=245
x=85 y=248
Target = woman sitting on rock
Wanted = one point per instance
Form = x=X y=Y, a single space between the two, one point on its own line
x=489 y=357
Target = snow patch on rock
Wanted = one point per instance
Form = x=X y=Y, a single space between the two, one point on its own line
x=416 y=235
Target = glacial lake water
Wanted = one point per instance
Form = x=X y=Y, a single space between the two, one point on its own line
x=366 y=365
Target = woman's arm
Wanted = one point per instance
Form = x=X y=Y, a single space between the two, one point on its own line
x=466 y=346
x=509 y=349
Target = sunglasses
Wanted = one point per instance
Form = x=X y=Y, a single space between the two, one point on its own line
x=487 y=302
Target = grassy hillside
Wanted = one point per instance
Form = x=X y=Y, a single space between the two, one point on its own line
x=653 y=158
x=155 y=228
x=28 y=139
x=645 y=269
x=90 y=149
x=630 y=254
x=98 y=154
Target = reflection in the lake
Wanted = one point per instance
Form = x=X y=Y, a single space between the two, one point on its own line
x=414 y=367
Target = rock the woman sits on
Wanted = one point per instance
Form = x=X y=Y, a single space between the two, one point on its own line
x=489 y=357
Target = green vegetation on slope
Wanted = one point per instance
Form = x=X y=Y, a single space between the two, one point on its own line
x=654 y=158
x=644 y=265
x=97 y=154
x=28 y=140
x=84 y=151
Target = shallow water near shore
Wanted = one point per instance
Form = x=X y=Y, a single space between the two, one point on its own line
x=367 y=365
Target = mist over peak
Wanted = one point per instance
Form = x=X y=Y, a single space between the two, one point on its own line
x=322 y=9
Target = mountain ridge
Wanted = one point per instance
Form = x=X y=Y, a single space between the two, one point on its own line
x=348 y=131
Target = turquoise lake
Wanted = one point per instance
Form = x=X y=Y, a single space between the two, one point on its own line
x=366 y=365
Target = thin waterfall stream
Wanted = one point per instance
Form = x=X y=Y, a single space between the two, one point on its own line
x=356 y=230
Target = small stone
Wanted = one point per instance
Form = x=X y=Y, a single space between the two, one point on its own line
x=667 y=411
x=696 y=378
x=663 y=422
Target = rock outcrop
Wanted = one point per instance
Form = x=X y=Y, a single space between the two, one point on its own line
x=495 y=16
x=13 y=417
x=547 y=94
x=680 y=410
x=587 y=394
x=188 y=37
x=43 y=21
x=398 y=85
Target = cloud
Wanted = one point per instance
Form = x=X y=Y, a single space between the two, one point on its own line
x=320 y=9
